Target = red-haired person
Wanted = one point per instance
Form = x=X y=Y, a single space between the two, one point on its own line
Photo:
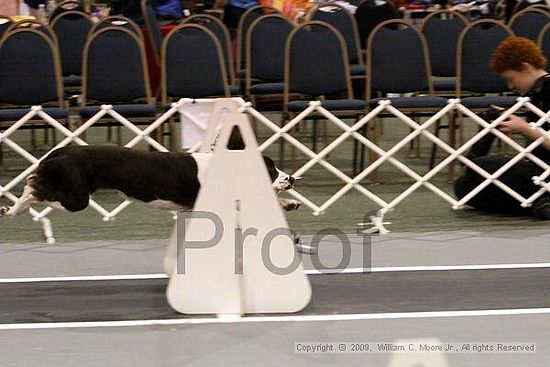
x=523 y=66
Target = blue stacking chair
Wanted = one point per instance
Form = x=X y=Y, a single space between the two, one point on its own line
x=30 y=74
x=441 y=30
x=478 y=86
x=529 y=22
x=244 y=23
x=369 y=14
x=222 y=34
x=192 y=66
x=399 y=63
x=475 y=46
x=317 y=68
x=71 y=29
x=345 y=23
x=114 y=71
x=265 y=60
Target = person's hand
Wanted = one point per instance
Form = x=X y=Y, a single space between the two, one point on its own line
x=514 y=125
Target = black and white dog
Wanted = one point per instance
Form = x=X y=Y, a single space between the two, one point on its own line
x=67 y=177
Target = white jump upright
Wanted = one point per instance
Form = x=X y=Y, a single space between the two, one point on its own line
x=250 y=264
x=201 y=121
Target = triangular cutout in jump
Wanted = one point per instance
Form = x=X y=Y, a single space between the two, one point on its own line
x=254 y=233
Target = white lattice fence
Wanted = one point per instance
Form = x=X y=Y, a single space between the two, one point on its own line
x=74 y=137
x=202 y=126
x=388 y=156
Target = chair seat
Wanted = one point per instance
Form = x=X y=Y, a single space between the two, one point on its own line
x=412 y=102
x=72 y=81
x=11 y=114
x=487 y=101
x=357 y=70
x=445 y=84
x=267 y=88
x=126 y=110
x=330 y=104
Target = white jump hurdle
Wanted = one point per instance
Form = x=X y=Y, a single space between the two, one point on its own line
x=251 y=266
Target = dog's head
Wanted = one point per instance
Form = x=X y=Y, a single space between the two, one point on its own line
x=281 y=181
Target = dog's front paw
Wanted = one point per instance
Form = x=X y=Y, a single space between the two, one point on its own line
x=290 y=204
x=3 y=211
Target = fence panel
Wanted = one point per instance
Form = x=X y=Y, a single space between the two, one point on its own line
x=202 y=126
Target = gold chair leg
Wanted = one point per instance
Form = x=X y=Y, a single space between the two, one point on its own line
x=172 y=139
x=119 y=135
x=46 y=135
x=33 y=139
x=325 y=136
x=418 y=139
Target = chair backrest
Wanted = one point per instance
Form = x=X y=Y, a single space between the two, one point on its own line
x=192 y=64
x=65 y=6
x=244 y=22
x=398 y=59
x=153 y=28
x=441 y=30
x=71 y=29
x=265 y=51
x=222 y=34
x=344 y=22
x=544 y=40
x=5 y=23
x=529 y=22
x=545 y=7
x=35 y=24
x=118 y=21
x=316 y=61
x=370 y=13
x=521 y=5
x=475 y=46
x=30 y=69
x=114 y=67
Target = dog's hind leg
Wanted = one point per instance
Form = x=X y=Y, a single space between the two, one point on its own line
x=22 y=204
